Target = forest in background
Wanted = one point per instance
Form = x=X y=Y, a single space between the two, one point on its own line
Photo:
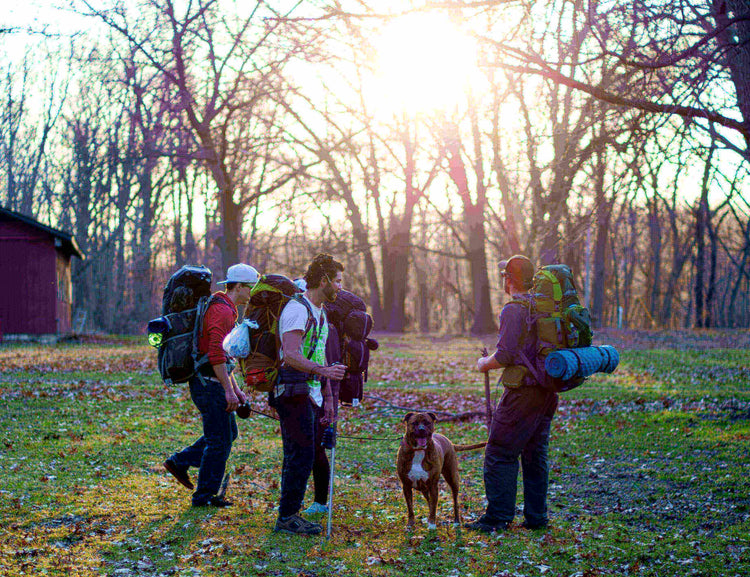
x=612 y=136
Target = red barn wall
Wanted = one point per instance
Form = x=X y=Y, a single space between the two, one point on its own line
x=28 y=300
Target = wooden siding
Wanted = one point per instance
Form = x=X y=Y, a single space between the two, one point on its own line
x=28 y=299
x=64 y=294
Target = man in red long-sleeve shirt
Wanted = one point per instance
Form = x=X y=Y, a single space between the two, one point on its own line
x=216 y=393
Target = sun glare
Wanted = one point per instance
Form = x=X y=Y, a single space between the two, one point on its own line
x=424 y=63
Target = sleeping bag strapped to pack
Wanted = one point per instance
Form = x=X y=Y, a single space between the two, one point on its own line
x=348 y=316
x=267 y=299
x=559 y=320
x=175 y=334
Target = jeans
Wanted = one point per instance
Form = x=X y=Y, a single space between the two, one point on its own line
x=520 y=428
x=211 y=451
x=297 y=419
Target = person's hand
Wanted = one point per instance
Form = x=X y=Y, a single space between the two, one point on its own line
x=232 y=401
x=328 y=416
x=333 y=372
x=482 y=364
x=241 y=396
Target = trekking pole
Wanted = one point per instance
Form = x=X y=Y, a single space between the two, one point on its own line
x=329 y=441
x=487 y=397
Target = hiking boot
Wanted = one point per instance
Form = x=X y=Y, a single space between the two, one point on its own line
x=179 y=473
x=215 y=501
x=535 y=526
x=297 y=525
x=484 y=525
x=316 y=509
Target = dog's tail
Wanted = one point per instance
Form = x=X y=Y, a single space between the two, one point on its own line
x=469 y=447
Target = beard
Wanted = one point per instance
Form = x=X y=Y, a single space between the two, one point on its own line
x=330 y=292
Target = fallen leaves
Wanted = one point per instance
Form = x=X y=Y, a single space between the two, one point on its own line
x=131 y=358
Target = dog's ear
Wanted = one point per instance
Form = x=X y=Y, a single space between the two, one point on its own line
x=433 y=416
x=407 y=417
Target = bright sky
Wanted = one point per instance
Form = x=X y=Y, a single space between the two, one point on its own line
x=424 y=63
x=41 y=14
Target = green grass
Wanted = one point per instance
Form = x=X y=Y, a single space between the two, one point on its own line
x=649 y=473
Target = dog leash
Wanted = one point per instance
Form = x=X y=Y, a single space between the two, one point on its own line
x=370 y=438
x=262 y=413
x=385 y=403
x=339 y=436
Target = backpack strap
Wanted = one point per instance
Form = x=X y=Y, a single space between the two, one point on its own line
x=530 y=318
x=529 y=365
x=202 y=308
x=311 y=323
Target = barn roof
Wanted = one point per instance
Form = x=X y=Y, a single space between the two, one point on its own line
x=67 y=241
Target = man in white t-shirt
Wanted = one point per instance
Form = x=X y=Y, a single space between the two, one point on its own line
x=299 y=394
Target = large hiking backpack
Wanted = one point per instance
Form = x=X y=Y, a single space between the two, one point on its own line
x=555 y=312
x=187 y=296
x=268 y=297
x=352 y=324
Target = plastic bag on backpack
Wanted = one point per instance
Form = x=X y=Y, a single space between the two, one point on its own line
x=237 y=343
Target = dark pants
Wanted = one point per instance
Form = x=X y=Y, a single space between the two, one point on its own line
x=520 y=428
x=211 y=451
x=321 y=467
x=297 y=419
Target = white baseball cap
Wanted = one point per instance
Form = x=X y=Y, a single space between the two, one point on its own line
x=243 y=273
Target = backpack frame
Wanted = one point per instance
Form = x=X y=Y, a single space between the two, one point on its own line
x=260 y=369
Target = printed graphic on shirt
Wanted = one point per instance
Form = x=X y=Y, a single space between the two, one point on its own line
x=294 y=318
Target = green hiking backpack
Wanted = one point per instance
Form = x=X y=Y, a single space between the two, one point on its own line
x=559 y=320
x=267 y=299
x=562 y=323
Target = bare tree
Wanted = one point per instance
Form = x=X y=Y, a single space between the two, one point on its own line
x=220 y=66
x=25 y=131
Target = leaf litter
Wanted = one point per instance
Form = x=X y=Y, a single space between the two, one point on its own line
x=642 y=483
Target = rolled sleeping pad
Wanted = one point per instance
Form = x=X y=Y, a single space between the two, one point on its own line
x=568 y=363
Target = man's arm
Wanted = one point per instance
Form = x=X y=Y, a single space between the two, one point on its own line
x=229 y=394
x=509 y=340
x=291 y=342
x=328 y=407
x=237 y=390
x=219 y=322
x=488 y=363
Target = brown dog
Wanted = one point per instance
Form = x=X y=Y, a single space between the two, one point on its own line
x=422 y=457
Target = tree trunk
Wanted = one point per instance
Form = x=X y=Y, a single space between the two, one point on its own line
x=142 y=251
x=603 y=218
x=81 y=190
x=655 y=235
x=734 y=43
x=711 y=291
x=702 y=214
x=396 y=272
x=484 y=322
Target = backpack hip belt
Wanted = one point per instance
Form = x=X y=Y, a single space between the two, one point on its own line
x=288 y=375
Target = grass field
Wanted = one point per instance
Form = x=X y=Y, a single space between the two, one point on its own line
x=650 y=469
